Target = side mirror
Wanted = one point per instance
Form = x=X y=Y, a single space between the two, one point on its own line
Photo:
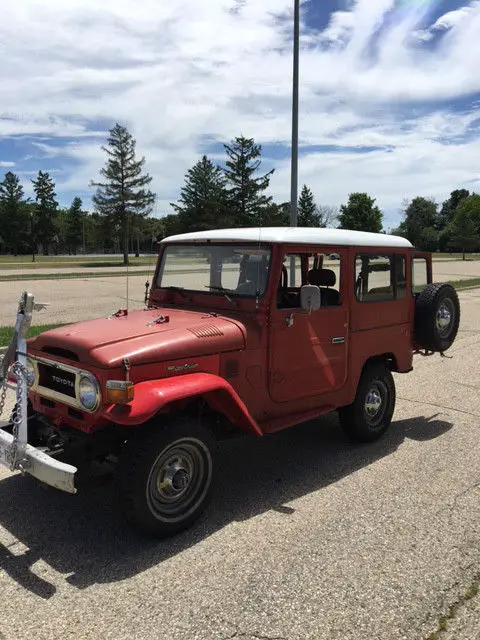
x=310 y=298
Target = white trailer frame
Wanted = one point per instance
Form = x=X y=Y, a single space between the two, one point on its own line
x=15 y=452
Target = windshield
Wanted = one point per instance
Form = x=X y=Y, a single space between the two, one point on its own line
x=232 y=269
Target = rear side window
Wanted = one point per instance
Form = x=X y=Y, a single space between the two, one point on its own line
x=379 y=278
x=419 y=274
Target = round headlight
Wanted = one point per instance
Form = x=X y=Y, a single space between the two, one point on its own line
x=89 y=392
x=31 y=372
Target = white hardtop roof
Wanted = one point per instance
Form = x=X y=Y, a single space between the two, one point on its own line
x=294 y=235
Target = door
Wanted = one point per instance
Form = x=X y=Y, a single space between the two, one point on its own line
x=308 y=352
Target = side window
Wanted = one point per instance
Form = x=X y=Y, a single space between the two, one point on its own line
x=379 y=278
x=419 y=274
x=320 y=269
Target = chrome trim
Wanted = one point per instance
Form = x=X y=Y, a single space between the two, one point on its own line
x=49 y=394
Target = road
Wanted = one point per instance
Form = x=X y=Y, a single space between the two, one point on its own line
x=308 y=537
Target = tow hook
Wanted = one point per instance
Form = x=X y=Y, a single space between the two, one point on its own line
x=55 y=442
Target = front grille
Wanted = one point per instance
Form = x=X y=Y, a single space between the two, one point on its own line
x=56 y=380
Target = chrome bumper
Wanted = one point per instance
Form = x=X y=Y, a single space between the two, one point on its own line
x=37 y=464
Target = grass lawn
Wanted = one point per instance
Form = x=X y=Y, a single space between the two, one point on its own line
x=77 y=262
x=73 y=275
x=467 y=283
x=455 y=256
x=6 y=333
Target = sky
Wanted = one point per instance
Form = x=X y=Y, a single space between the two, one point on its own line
x=389 y=92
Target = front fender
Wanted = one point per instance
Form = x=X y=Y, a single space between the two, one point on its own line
x=153 y=395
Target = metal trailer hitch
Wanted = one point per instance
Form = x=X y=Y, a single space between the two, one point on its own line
x=15 y=452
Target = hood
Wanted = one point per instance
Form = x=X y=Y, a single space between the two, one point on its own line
x=142 y=336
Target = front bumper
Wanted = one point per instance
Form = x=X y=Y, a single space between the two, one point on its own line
x=37 y=464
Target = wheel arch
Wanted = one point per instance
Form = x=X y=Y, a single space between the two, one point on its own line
x=188 y=393
x=389 y=359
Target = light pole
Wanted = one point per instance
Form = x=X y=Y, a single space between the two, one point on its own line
x=296 y=74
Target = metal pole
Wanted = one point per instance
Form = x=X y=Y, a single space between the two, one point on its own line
x=296 y=74
x=294 y=169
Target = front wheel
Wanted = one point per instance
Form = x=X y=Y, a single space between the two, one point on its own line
x=165 y=478
x=370 y=414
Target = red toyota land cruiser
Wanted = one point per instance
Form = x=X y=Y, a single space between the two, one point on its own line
x=245 y=330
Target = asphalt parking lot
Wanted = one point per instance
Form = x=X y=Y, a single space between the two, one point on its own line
x=308 y=537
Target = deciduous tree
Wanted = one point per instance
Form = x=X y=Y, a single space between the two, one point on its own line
x=361 y=214
x=419 y=223
x=465 y=227
x=449 y=207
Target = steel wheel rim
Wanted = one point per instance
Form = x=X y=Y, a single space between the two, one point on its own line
x=445 y=317
x=375 y=404
x=179 y=480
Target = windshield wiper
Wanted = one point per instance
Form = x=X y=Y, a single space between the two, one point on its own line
x=180 y=290
x=221 y=290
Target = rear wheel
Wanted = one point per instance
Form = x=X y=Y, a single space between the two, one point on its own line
x=165 y=478
x=370 y=414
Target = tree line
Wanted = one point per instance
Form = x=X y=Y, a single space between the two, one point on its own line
x=233 y=193
x=452 y=226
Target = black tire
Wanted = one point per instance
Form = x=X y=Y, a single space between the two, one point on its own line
x=437 y=317
x=181 y=456
x=370 y=414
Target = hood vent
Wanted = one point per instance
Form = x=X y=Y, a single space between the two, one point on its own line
x=61 y=353
x=206 y=331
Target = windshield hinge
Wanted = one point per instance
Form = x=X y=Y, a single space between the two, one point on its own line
x=159 y=320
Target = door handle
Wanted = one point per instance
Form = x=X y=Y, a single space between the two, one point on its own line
x=339 y=340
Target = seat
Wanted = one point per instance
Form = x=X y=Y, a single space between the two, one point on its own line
x=254 y=278
x=325 y=278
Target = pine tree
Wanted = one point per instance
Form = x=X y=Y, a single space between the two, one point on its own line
x=75 y=222
x=45 y=210
x=247 y=200
x=123 y=194
x=203 y=198
x=13 y=214
x=307 y=209
x=276 y=215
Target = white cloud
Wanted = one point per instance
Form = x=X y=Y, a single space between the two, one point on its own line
x=455 y=18
x=175 y=72
x=340 y=26
x=5 y=164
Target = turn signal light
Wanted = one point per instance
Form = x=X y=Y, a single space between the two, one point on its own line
x=119 y=391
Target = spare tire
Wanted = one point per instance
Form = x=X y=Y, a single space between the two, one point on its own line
x=437 y=317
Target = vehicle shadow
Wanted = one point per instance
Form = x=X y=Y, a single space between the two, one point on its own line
x=84 y=535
